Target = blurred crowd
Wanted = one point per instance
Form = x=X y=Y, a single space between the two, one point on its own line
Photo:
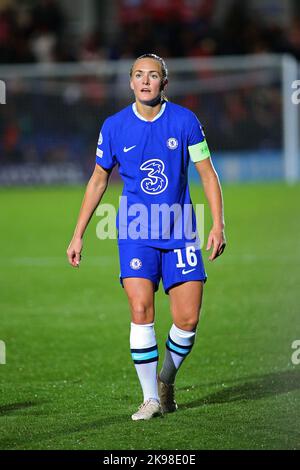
x=32 y=34
x=38 y=31
x=58 y=121
x=189 y=28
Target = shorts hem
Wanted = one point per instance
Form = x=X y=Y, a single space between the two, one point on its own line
x=177 y=283
x=156 y=284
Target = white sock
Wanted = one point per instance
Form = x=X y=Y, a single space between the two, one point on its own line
x=178 y=346
x=144 y=353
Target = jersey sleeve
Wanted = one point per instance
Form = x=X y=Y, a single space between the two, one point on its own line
x=104 y=154
x=197 y=144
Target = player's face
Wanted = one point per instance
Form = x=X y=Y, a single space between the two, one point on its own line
x=146 y=79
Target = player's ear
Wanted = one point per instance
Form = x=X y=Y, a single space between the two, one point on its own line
x=131 y=85
x=163 y=84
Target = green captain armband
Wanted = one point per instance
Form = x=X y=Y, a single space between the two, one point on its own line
x=199 y=152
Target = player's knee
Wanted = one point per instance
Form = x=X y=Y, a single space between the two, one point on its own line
x=187 y=326
x=187 y=323
x=141 y=313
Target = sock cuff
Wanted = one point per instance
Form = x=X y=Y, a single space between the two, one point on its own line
x=180 y=341
x=177 y=334
x=133 y=325
x=142 y=336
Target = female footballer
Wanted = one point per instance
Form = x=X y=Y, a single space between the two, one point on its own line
x=152 y=141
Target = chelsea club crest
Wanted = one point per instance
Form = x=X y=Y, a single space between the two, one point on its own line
x=172 y=143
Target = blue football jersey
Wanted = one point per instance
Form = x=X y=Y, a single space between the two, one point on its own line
x=153 y=158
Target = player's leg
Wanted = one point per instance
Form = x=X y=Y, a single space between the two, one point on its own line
x=185 y=303
x=140 y=276
x=183 y=276
x=143 y=346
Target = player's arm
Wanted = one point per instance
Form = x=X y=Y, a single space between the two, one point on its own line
x=94 y=191
x=213 y=193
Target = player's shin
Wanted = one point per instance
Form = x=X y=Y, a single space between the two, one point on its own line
x=144 y=353
x=178 y=346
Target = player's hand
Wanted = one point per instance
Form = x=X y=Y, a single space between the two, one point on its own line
x=216 y=239
x=74 y=252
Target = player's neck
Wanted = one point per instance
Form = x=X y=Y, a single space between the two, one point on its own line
x=148 y=112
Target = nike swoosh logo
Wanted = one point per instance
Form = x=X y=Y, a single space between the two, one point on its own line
x=125 y=149
x=188 y=271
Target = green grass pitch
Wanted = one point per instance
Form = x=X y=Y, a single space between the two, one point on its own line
x=68 y=381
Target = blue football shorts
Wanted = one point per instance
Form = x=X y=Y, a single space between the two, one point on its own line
x=172 y=266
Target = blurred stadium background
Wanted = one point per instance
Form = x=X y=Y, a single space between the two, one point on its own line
x=65 y=64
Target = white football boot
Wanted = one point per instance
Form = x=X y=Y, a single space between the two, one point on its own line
x=149 y=409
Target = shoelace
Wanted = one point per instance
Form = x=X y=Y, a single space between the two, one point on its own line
x=143 y=405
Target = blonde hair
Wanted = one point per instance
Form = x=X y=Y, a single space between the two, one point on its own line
x=164 y=70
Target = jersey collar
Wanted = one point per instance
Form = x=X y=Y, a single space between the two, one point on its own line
x=162 y=109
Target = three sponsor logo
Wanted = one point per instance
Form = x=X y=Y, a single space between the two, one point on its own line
x=156 y=181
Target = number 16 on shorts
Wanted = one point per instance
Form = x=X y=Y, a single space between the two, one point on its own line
x=190 y=257
x=189 y=260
